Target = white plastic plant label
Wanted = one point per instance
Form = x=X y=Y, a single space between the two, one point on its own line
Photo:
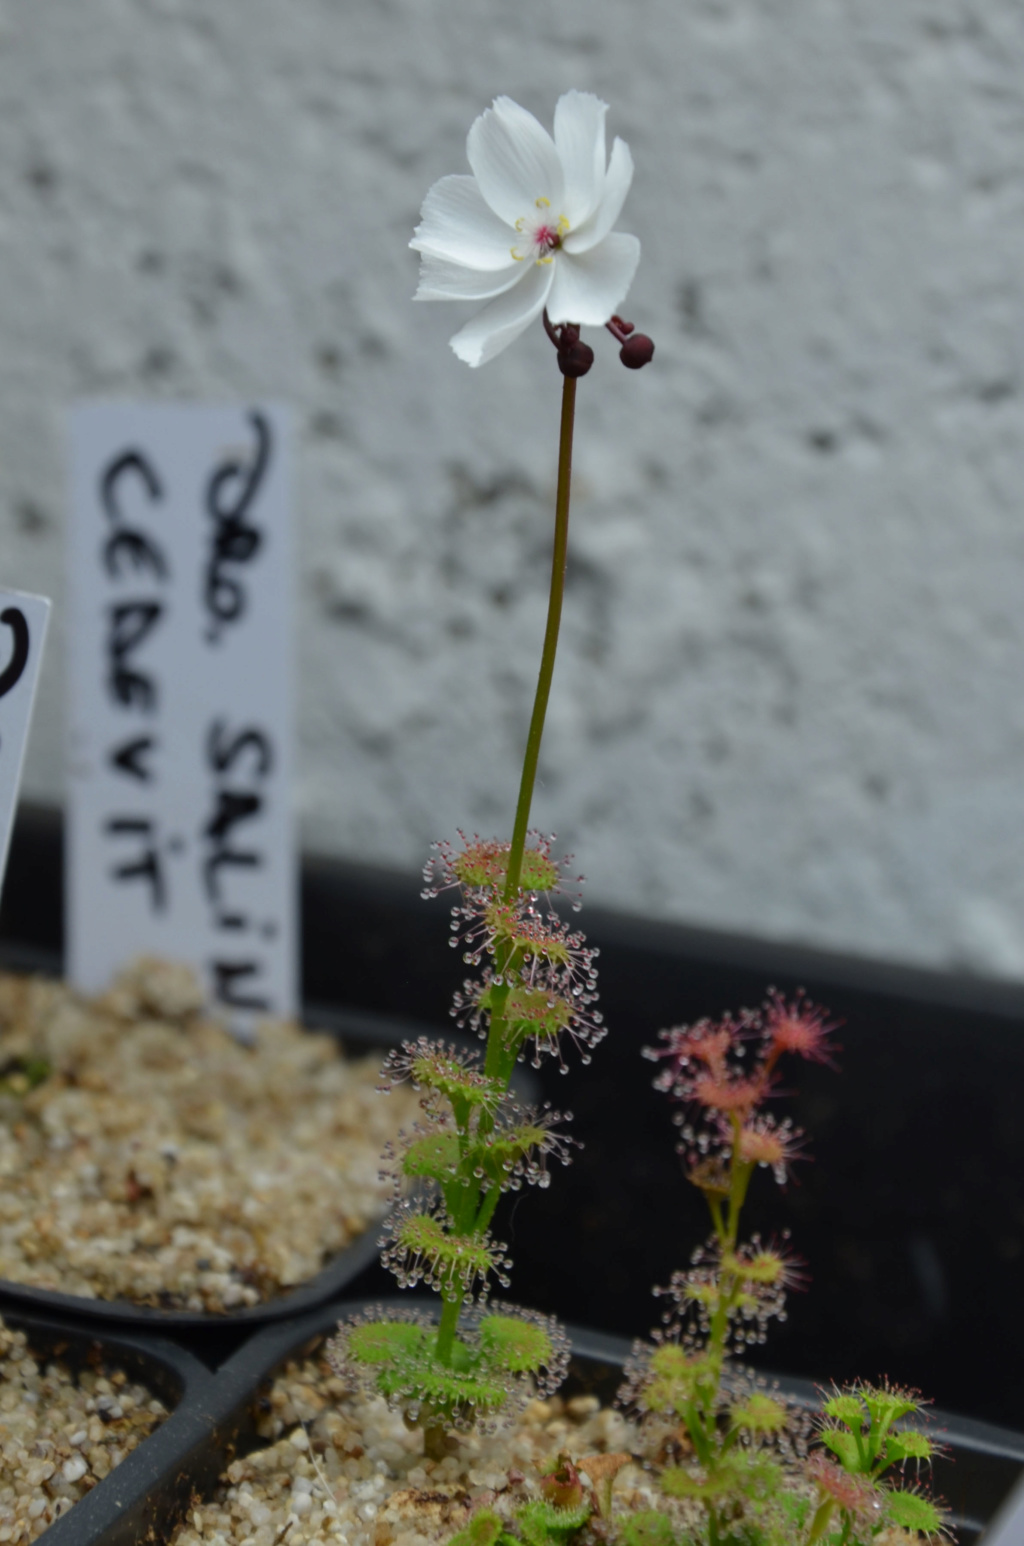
x=23 y=623
x=180 y=838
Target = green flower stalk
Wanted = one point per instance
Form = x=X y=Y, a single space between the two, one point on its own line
x=531 y=232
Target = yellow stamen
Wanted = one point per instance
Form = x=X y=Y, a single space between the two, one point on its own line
x=548 y=259
x=520 y=257
x=542 y=203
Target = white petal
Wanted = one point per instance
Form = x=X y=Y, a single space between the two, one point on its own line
x=455 y=223
x=589 y=288
x=515 y=161
x=443 y=280
x=500 y=323
x=579 y=140
x=616 y=186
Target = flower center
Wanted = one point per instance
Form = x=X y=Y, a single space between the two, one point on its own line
x=541 y=234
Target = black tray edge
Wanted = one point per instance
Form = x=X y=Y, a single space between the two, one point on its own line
x=362 y=1032
x=170 y=1371
x=122 y=1315
x=366 y=1032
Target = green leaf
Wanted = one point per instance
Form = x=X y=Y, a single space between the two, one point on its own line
x=911 y=1511
x=648 y=1528
x=736 y=1475
x=440 y=1389
x=506 y=1149
x=384 y=1342
x=484 y=1529
x=500 y=1156
x=517 y=1346
x=677 y=1482
x=710 y=1295
x=886 y=1406
x=409 y=1373
x=544 y=1524
x=846 y=1409
x=751 y=1472
x=533 y=1011
x=437 y=1070
x=435 y=1155
x=759 y=1413
x=453 y=1258
x=538 y=873
x=763 y=1266
x=792 y=1508
x=675 y=1378
x=671 y=1362
x=484 y=865
x=844 y=1446
x=908 y=1444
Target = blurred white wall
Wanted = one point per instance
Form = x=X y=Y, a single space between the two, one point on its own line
x=790 y=698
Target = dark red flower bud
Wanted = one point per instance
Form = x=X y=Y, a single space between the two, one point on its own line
x=576 y=360
x=638 y=350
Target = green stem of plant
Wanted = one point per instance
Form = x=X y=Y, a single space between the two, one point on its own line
x=496 y=1050
x=449 y=1324
x=698 y=1433
x=547 y=660
x=820 y=1522
x=727 y=1230
x=487 y=1208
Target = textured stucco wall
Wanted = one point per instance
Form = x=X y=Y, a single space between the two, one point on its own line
x=791 y=693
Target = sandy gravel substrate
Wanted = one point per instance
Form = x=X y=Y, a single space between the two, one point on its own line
x=60 y=1433
x=163 y=1162
x=343 y=1468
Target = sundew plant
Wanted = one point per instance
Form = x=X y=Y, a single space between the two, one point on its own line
x=757 y=1469
x=531 y=233
x=729 y=1460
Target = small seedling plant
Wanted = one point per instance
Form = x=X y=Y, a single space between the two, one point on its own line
x=531 y=231
x=760 y=1474
x=739 y=1464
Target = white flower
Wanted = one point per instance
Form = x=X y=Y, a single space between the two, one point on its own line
x=532 y=227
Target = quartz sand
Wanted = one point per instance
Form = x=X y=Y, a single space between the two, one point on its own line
x=341 y=1469
x=164 y=1162
x=344 y=1467
x=60 y=1433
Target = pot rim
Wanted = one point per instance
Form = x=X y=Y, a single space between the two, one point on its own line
x=170 y=1371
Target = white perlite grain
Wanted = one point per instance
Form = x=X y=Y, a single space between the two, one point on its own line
x=163 y=1162
x=60 y=1434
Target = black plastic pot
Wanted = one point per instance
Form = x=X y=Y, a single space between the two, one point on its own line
x=125 y=1496
x=975 y=1477
x=212 y=1336
x=910 y=1218
x=208 y=1332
